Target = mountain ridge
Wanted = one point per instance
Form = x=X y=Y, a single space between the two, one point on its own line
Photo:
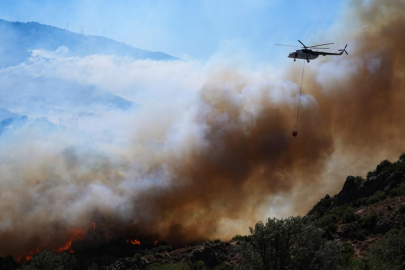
x=18 y=39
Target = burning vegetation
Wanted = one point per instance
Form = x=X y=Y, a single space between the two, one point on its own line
x=238 y=156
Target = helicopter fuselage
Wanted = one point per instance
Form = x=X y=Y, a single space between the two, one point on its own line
x=304 y=54
x=308 y=54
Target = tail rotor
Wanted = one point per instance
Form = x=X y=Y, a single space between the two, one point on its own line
x=344 y=50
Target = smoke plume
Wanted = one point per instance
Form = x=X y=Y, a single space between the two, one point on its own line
x=213 y=162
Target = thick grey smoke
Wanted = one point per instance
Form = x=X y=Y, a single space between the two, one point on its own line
x=209 y=151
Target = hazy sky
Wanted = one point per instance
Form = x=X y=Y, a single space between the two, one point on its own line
x=187 y=28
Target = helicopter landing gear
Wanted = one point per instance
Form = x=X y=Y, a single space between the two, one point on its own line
x=308 y=60
x=294 y=59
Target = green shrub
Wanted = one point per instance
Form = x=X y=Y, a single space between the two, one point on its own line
x=217 y=241
x=241 y=238
x=383 y=166
x=370 y=174
x=369 y=222
x=376 y=197
x=328 y=223
x=347 y=253
x=358 y=180
x=388 y=253
x=200 y=265
x=290 y=243
x=49 y=260
x=163 y=248
x=137 y=256
x=401 y=209
x=387 y=166
x=398 y=191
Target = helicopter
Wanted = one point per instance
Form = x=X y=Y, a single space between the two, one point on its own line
x=308 y=54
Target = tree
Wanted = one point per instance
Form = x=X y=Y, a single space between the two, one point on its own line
x=292 y=243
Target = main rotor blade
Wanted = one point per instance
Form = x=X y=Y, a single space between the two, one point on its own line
x=320 y=45
x=288 y=45
x=302 y=44
x=321 y=48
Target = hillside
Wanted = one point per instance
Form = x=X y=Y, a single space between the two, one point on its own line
x=18 y=39
x=361 y=227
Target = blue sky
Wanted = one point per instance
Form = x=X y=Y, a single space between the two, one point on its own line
x=194 y=28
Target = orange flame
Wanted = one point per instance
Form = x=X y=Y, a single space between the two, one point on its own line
x=72 y=234
x=134 y=241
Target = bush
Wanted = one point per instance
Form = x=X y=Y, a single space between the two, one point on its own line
x=328 y=223
x=388 y=253
x=137 y=256
x=163 y=248
x=387 y=166
x=383 y=166
x=398 y=191
x=401 y=209
x=377 y=197
x=291 y=243
x=358 y=180
x=347 y=253
x=49 y=260
x=200 y=265
x=241 y=238
x=369 y=222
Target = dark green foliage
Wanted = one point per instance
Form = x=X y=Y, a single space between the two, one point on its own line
x=368 y=223
x=241 y=238
x=48 y=260
x=199 y=265
x=328 y=223
x=375 y=198
x=398 y=191
x=347 y=253
x=383 y=166
x=161 y=248
x=171 y=266
x=387 y=166
x=388 y=253
x=321 y=208
x=345 y=214
x=217 y=241
x=167 y=248
x=401 y=209
x=137 y=256
x=291 y=243
x=358 y=180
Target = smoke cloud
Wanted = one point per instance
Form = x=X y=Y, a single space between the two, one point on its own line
x=209 y=151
